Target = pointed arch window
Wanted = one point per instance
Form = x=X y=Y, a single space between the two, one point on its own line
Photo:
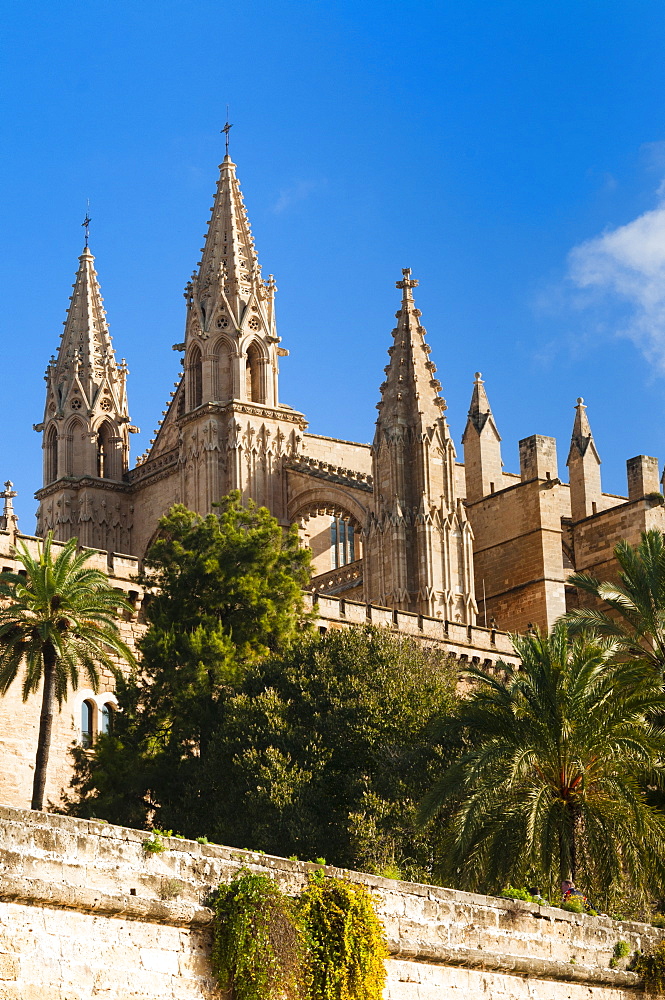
x=195 y=378
x=106 y=452
x=254 y=375
x=51 y=455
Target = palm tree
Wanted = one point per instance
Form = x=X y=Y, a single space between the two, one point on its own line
x=637 y=603
x=548 y=783
x=56 y=619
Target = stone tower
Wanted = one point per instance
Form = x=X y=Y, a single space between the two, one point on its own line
x=483 y=468
x=418 y=540
x=583 y=468
x=86 y=428
x=232 y=432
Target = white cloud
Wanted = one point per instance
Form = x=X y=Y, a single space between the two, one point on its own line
x=628 y=264
x=292 y=195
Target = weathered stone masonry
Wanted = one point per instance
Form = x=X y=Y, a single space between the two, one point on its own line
x=81 y=915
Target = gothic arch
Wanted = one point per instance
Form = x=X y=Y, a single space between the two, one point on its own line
x=107 y=442
x=328 y=500
x=195 y=377
x=222 y=369
x=76 y=440
x=255 y=366
x=51 y=454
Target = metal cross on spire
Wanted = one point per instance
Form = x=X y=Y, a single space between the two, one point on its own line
x=86 y=224
x=227 y=128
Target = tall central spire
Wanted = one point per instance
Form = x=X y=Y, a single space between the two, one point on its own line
x=229 y=275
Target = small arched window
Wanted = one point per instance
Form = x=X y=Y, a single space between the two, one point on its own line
x=195 y=379
x=87 y=721
x=51 y=455
x=106 y=452
x=107 y=717
x=254 y=375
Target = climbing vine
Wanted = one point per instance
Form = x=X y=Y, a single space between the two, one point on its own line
x=328 y=945
x=652 y=969
x=259 y=945
x=346 y=942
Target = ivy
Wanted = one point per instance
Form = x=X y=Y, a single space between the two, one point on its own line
x=328 y=945
x=652 y=969
x=259 y=944
x=346 y=943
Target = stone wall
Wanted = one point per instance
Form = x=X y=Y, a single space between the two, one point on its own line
x=83 y=914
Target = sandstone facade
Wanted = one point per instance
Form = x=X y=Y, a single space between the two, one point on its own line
x=399 y=523
x=401 y=531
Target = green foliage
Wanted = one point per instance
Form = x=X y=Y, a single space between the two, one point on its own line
x=548 y=784
x=658 y=920
x=155 y=844
x=327 y=749
x=259 y=948
x=55 y=621
x=523 y=894
x=636 y=606
x=621 y=949
x=652 y=969
x=228 y=592
x=170 y=888
x=574 y=905
x=347 y=947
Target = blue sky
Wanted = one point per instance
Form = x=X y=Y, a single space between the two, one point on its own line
x=511 y=153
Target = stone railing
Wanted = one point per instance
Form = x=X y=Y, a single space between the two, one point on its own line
x=468 y=643
x=334 y=580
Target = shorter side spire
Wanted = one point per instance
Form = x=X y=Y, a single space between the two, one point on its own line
x=583 y=467
x=483 y=468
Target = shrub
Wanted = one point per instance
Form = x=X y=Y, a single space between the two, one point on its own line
x=574 y=905
x=259 y=947
x=346 y=942
x=155 y=844
x=170 y=888
x=621 y=949
x=652 y=969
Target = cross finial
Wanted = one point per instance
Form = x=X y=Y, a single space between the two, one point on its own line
x=407 y=281
x=86 y=224
x=227 y=128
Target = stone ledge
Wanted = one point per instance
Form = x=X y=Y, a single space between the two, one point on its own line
x=517 y=965
x=36 y=892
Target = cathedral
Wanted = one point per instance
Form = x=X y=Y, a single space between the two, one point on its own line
x=401 y=531
x=399 y=524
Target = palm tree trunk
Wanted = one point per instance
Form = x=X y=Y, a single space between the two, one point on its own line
x=45 y=728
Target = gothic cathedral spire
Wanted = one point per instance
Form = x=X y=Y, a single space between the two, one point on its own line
x=231 y=341
x=419 y=542
x=232 y=433
x=86 y=426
